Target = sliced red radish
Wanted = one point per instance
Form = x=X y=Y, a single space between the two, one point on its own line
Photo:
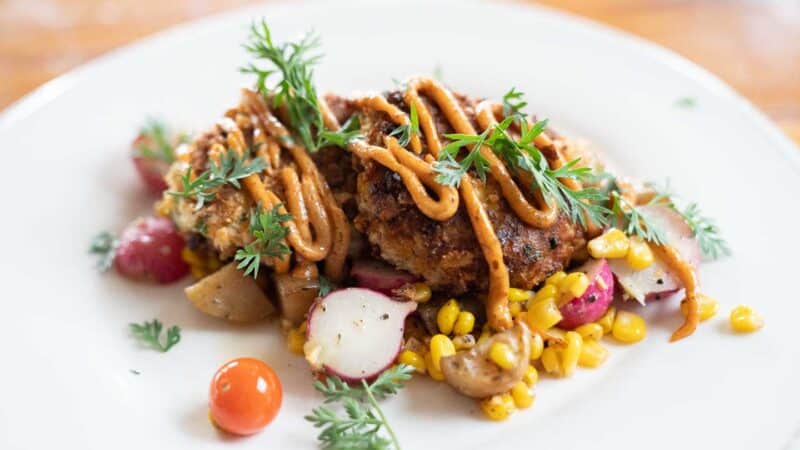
x=657 y=281
x=355 y=333
x=379 y=276
x=595 y=301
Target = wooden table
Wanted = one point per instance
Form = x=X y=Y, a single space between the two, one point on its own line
x=753 y=45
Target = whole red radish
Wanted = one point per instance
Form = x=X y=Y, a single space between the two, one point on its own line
x=150 y=249
x=595 y=300
x=153 y=152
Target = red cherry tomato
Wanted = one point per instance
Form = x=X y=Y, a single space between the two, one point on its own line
x=150 y=249
x=245 y=396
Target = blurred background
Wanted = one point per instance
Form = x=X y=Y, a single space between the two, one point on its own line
x=754 y=45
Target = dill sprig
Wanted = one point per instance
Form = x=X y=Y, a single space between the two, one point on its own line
x=706 y=231
x=104 y=245
x=156 y=143
x=295 y=89
x=266 y=228
x=513 y=103
x=636 y=222
x=230 y=168
x=405 y=132
x=325 y=286
x=149 y=333
x=360 y=426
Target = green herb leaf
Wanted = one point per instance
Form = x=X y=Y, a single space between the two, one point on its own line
x=155 y=143
x=266 y=228
x=325 y=286
x=104 y=245
x=349 y=131
x=405 y=132
x=294 y=90
x=706 y=232
x=686 y=102
x=230 y=168
x=636 y=222
x=149 y=333
x=363 y=421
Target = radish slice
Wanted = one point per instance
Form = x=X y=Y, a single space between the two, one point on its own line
x=355 y=333
x=379 y=276
x=595 y=301
x=657 y=281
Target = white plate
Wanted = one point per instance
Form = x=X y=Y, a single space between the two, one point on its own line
x=66 y=382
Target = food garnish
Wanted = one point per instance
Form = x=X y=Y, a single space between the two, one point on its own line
x=266 y=228
x=104 y=245
x=230 y=168
x=149 y=333
x=706 y=232
x=154 y=141
x=364 y=420
x=404 y=132
x=245 y=396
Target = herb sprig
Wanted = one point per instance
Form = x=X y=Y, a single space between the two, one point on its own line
x=706 y=231
x=149 y=333
x=230 y=168
x=405 y=132
x=636 y=222
x=266 y=228
x=155 y=143
x=295 y=89
x=104 y=245
x=364 y=420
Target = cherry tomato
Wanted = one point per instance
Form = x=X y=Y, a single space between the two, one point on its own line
x=245 y=396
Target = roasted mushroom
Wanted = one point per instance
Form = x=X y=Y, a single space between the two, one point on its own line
x=231 y=295
x=472 y=372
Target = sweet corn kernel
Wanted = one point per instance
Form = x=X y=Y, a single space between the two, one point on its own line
x=590 y=331
x=432 y=370
x=628 y=327
x=191 y=258
x=497 y=407
x=571 y=353
x=197 y=272
x=744 y=320
x=422 y=292
x=515 y=308
x=531 y=376
x=551 y=360
x=518 y=295
x=447 y=315
x=441 y=346
x=213 y=263
x=412 y=359
x=607 y=321
x=465 y=322
x=593 y=354
x=537 y=345
x=543 y=315
x=162 y=208
x=502 y=355
x=486 y=333
x=295 y=340
x=708 y=307
x=639 y=255
x=555 y=278
x=573 y=285
x=464 y=342
x=547 y=291
x=611 y=244
x=521 y=395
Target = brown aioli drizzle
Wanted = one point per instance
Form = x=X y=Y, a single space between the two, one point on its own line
x=688 y=277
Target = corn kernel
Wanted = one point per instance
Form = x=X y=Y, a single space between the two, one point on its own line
x=611 y=244
x=465 y=322
x=628 y=327
x=572 y=286
x=537 y=345
x=422 y=292
x=639 y=255
x=607 y=321
x=515 y=308
x=432 y=370
x=502 y=355
x=543 y=315
x=555 y=278
x=486 y=333
x=518 y=295
x=590 y=331
x=531 y=376
x=571 y=353
x=547 y=291
x=412 y=359
x=295 y=340
x=441 y=346
x=464 y=342
x=521 y=395
x=191 y=258
x=197 y=272
x=551 y=360
x=744 y=320
x=707 y=305
x=593 y=354
x=447 y=315
x=497 y=407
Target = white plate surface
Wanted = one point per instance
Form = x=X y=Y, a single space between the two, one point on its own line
x=66 y=383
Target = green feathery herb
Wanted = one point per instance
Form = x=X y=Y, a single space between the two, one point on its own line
x=104 y=245
x=230 y=168
x=266 y=228
x=513 y=103
x=438 y=73
x=155 y=142
x=405 y=132
x=149 y=333
x=706 y=232
x=686 y=102
x=449 y=171
x=635 y=222
x=363 y=421
x=325 y=286
x=295 y=90
x=349 y=131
